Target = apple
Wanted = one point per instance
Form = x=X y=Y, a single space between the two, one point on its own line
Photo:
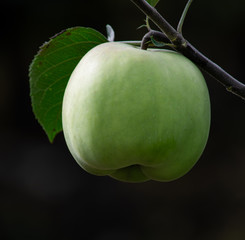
x=134 y=114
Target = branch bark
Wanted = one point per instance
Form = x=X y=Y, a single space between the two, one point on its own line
x=183 y=46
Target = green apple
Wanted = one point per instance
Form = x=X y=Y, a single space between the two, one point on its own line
x=135 y=114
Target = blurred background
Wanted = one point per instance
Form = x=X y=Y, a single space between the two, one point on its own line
x=44 y=194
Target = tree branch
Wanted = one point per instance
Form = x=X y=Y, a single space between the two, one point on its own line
x=183 y=46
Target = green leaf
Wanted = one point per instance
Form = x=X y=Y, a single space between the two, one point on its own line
x=153 y=3
x=50 y=71
x=156 y=43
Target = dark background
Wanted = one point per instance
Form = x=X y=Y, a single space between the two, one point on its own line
x=44 y=194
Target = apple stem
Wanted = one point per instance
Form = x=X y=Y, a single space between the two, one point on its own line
x=183 y=16
x=181 y=45
x=158 y=36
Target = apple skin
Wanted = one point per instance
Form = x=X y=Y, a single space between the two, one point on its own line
x=135 y=114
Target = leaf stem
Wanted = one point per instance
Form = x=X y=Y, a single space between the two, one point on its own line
x=147 y=23
x=139 y=43
x=134 y=43
x=182 y=19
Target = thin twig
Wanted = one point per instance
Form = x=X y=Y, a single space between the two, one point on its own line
x=183 y=46
x=158 y=19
